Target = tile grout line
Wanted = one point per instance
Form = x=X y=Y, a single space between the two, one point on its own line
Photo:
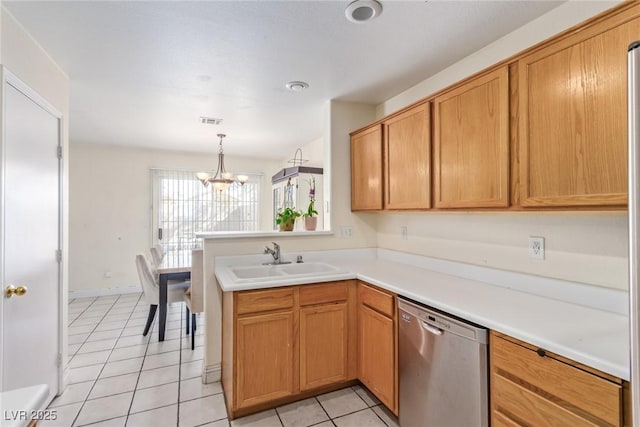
x=105 y=364
x=96 y=379
x=146 y=350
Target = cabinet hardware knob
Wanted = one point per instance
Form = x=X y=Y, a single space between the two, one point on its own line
x=541 y=352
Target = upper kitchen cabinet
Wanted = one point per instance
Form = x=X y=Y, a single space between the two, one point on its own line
x=573 y=116
x=366 y=169
x=407 y=159
x=471 y=143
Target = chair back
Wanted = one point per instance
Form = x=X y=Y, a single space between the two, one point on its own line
x=148 y=280
x=157 y=254
x=197 y=281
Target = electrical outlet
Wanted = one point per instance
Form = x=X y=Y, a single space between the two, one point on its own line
x=346 y=232
x=404 y=232
x=536 y=247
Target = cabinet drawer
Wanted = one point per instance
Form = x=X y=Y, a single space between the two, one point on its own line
x=267 y=300
x=588 y=392
x=527 y=405
x=323 y=293
x=376 y=299
x=498 y=419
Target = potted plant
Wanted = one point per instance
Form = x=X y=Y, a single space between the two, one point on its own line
x=286 y=218
x=310 y=217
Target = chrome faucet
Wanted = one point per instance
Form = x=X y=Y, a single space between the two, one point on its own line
x=275 y=253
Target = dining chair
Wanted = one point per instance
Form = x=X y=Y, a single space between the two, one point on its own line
x=151 y=289
x=157 y=254
x=193 y=298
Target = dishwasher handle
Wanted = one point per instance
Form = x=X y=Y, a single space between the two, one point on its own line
x=432 y=329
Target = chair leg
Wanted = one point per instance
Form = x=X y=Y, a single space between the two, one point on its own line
x=152 y=314
x=193 y=331
x=186 y=320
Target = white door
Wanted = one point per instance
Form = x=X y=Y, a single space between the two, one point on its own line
x=31 y=237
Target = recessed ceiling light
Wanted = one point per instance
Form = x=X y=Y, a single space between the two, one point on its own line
x=360 y=11
x=297 y=86
x=210 y=121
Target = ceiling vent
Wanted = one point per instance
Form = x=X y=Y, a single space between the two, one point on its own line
x=360 y=11
x=210 y=121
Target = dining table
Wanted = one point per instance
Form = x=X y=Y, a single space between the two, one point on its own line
x=174 y=266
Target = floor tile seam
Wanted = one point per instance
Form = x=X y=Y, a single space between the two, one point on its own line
x=196 y=398
x=361 y=398
x=325 y=411
x=351 y=413
x=149 y=410
x=214 y=421
x=97 y=378
x=378 y=415
x=158 y=385
x=139 y=373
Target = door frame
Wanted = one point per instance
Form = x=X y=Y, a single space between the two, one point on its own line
x=8 y=78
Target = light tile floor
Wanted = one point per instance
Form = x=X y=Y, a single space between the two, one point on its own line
x=120 y=378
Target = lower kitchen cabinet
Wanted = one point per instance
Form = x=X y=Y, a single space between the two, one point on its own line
x=265 y=345
x=530 y=386
x=377 y=344
x=323 y=345
x=283 y=344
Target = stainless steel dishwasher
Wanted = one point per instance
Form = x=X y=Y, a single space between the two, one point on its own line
x=443 y=369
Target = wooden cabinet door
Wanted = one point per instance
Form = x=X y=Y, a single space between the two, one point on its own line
x=573 y=119
x=264 y=358
x=408 y=159
x=366 y=169
x=376 y=355
x=323 y=345
x=471 y=144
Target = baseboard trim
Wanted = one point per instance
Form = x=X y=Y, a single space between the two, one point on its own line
x=212 y=373
x=104 y=292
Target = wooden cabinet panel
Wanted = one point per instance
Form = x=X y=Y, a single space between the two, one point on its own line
x=376 y=355
x=577 y=387
x=498 y=419
x=264 y=358
x=324 y=293
x=366 y=169
x=536 y=410
x=266 y=300
x=376 y=299
x=408 y=159
x=323 y=345
x=530 y=389
x=573 y=119
x=471 y=143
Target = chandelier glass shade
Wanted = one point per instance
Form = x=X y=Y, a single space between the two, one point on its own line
x=222 y=179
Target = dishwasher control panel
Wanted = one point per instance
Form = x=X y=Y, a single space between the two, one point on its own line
x=409 y=310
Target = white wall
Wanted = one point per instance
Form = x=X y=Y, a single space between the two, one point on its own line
x=584 y=247
x=25 y=58
x=111 y=207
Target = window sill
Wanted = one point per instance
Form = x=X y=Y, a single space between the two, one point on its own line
x=253 y=234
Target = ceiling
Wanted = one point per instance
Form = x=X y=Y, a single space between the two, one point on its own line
x=142 y=73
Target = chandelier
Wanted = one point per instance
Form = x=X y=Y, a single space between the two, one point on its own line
x=222 y=179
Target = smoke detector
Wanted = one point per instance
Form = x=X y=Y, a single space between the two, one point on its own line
x=297 y=86
x=210 y=121
x=360 y=11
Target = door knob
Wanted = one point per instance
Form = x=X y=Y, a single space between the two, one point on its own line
x=12 y=290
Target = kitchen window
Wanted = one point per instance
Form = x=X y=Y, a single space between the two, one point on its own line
x=182 y=206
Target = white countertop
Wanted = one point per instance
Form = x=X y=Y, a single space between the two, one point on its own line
x=588 y=335
x=19 y=406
